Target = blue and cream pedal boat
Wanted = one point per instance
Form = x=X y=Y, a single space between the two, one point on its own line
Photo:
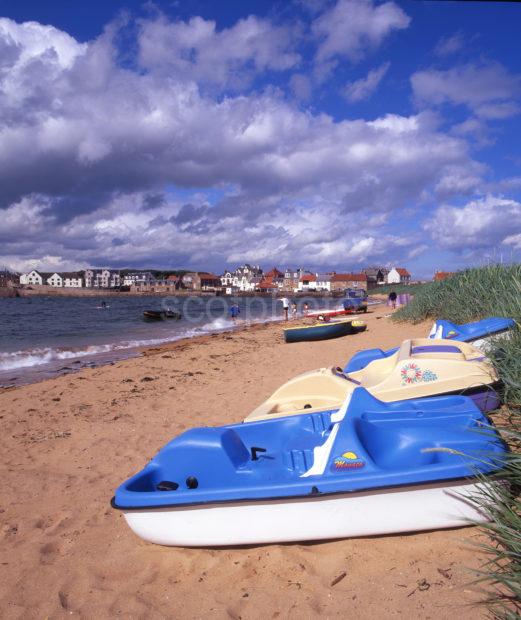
x=364 y=469
x=480 y=334
x=419 y=368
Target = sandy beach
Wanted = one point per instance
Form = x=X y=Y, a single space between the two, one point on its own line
x=68 y=442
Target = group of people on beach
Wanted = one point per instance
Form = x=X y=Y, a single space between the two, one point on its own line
x=294 y=309
x=234 y=310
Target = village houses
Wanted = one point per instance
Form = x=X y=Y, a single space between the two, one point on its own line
x=343 y=281
x=244 y=279
x=139 y=277
x=68 y=279
x=398 y=275
x=103 y=278
x=376 y=276
x=201 y=281
x=291 y=279
x=307 y=282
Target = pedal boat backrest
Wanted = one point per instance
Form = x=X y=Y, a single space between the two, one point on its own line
x=313 y=391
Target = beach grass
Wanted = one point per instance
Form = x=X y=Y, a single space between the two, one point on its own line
x=473 y=294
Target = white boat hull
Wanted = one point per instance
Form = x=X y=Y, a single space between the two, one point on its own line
x=485 y=344
x=386 y=511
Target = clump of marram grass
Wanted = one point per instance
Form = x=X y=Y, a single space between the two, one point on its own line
x=501 y=573
x=467 y=296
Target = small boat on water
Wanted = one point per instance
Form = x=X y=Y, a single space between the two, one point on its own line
x=419 y=368
x=480 y=334
x=161 y=315
x=319 y=331
x=364 y=469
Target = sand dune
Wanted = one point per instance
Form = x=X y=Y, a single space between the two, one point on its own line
x=68 y=442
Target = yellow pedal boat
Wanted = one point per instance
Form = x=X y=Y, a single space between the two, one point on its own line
x=419 y=368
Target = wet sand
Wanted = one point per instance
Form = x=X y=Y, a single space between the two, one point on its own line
x=68 y=442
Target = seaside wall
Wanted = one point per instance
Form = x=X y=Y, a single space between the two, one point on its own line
x=47 y=290
x=7 y=291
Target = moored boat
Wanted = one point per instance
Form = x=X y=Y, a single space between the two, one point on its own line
x=319 y=331
x=419 y=368
x=480 y=334
x=161 y=315
x=364 y=469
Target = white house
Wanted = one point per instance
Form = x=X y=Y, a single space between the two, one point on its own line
x=102 y=278
x=398 y=275
x=307 y=282
x=227 y=278
x=244 y=278
x=33 y=277
x=139 y=277
x=72 y=279
x=55 y=280
x=323 y=282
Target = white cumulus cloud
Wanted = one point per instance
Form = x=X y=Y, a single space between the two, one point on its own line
x=488 y=89
x=484 y=223
x=352 y=27
x=364 y=87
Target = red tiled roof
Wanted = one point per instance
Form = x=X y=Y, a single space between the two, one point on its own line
x=349 y=277
x=266 y=283
x=274 y=273
x=309 y=277
x=443 y=275
x=173 y=278
x=208 y=276
x=403 y=272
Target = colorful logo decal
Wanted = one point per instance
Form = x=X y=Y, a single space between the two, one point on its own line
x=428 y=375
x=452 y=334
x=412 y=373
x=348 y=460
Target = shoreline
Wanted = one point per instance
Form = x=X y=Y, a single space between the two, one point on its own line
x=68 y=442
x=63 y=360
x=71 y=363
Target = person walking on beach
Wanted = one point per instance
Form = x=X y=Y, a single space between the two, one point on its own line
x=234 y=311
x=285 y=306
x=392 y=299
x=294 y=310
x=306 y=307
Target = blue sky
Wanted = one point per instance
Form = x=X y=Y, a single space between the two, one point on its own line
x=325 y=134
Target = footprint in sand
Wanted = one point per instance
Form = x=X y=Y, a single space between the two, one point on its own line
x=49 y=552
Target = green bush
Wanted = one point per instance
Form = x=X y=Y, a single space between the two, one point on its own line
x=471 y=295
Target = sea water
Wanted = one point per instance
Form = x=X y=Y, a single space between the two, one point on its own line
x=44 y=336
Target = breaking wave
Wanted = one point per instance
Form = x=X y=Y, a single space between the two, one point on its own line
x=47 y=355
